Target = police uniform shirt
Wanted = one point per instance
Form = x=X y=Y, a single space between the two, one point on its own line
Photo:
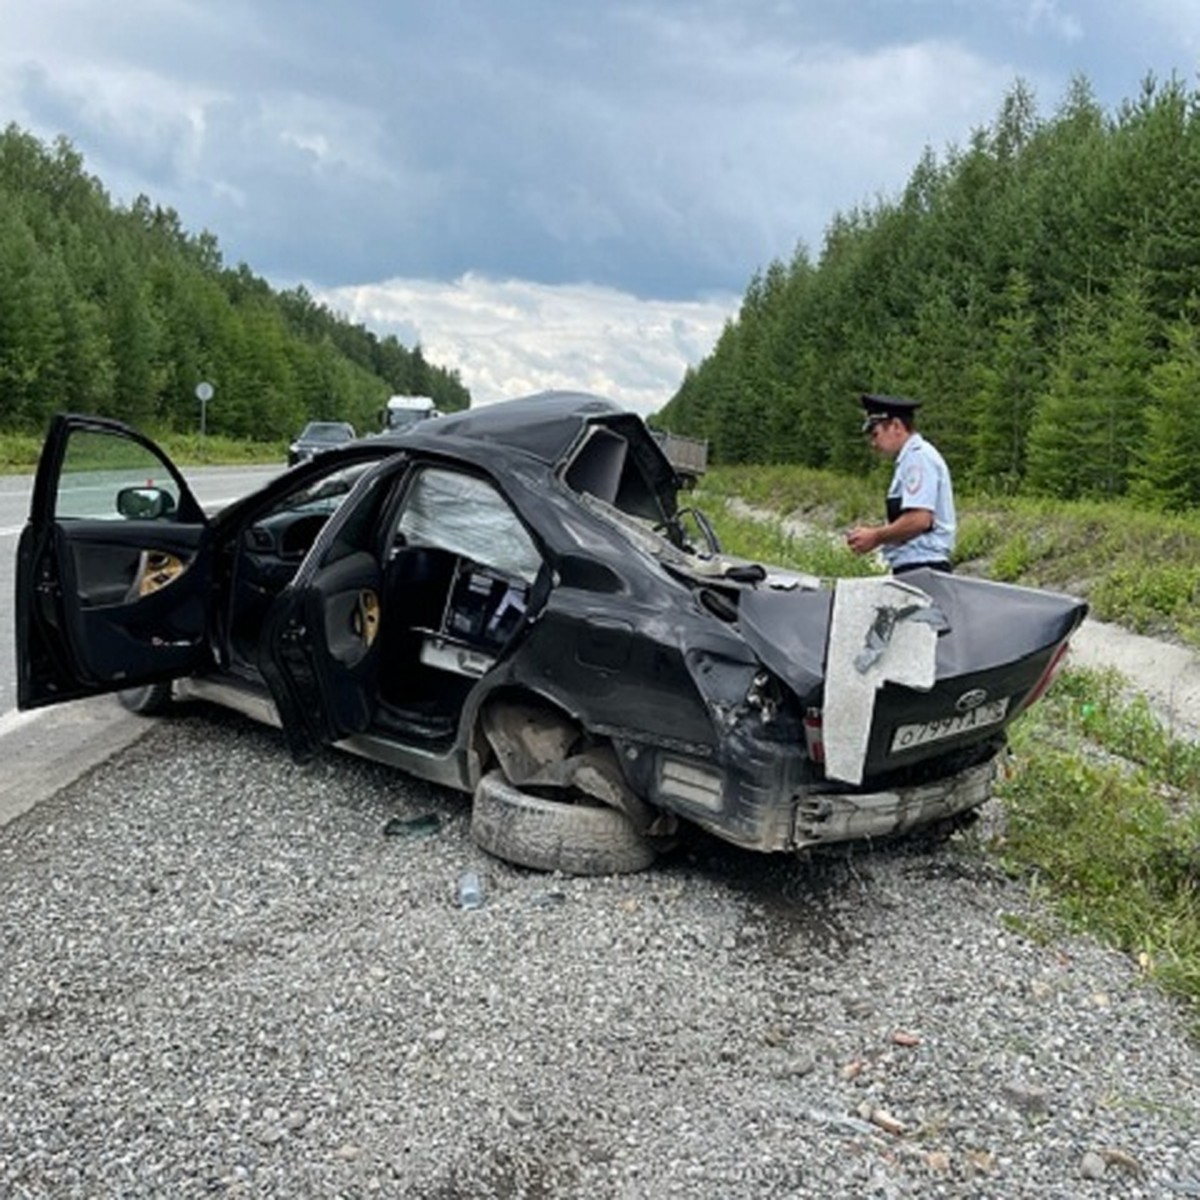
x=921 y=480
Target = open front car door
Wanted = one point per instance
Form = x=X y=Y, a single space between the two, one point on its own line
x=113 y=567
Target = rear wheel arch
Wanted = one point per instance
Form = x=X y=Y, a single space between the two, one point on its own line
x=549 y=795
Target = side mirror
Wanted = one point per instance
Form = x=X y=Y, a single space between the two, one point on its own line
x=145 y=503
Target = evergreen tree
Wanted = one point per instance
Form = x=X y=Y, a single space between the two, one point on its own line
x=1006 y=382
x=31 y=330
x=1164 y=473
x=1090 y=419
x=122 y=312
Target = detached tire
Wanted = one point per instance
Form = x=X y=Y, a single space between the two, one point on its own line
x=549 y=835
x=150 y=700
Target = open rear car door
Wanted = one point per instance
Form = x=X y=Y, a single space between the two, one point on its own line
x=320 y=653
x=113 y=567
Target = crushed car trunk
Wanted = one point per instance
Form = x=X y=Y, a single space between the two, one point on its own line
x=907 y=671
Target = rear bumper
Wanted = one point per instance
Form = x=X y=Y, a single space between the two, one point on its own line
x=832 y=817
x=766 y=800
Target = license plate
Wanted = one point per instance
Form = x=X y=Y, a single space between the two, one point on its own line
x=907 y=737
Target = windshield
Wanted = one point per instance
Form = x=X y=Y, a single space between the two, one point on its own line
x=321 y=495
x=327 y=431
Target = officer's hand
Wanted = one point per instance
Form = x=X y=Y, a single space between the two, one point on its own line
x=862 y=539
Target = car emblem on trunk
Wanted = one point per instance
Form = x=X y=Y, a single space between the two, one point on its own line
x=969 y=700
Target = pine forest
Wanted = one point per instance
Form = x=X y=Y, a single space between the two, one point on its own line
x=1037 y=291
x=120 y=312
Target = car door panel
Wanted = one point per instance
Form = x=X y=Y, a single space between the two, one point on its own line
x=133 y=614
x=321 y=653
x=105 y=602
x=115 y=566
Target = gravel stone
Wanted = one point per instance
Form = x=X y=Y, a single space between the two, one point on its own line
x=224 y=974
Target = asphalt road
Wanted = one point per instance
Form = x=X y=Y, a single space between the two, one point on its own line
x=45 y=750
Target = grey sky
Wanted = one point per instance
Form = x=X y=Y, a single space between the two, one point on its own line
x=622 y=168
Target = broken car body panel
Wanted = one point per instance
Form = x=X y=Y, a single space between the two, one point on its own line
x=516 y=587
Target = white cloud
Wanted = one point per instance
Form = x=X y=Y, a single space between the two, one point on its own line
x=1175 y=21
x=508 y=338
x=667 y=148
x=1050 y=15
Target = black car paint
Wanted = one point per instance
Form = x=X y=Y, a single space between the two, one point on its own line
x=633 y=650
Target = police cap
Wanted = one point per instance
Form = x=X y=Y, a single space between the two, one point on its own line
x=883 y=407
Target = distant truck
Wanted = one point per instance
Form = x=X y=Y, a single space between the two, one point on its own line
x=688 y=455
x=403 y=411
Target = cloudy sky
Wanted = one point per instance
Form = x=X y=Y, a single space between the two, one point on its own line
x=545 y=192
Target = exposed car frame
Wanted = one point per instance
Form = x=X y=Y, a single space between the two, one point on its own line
x=510 y=601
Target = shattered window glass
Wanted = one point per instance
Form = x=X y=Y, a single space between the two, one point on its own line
x=467 y=515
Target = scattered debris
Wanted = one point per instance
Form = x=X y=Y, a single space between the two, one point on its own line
x=470 y=890
x=881 y=1118
x=421 y=825
x=1115 y=1157
x=1027 y=1097
x=853 y=1124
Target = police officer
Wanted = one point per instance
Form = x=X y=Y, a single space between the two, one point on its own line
x=920 y=500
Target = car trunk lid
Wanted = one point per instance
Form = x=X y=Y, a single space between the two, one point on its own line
x=899 y=672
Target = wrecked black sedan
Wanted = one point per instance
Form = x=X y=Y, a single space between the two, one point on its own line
x=511 y=602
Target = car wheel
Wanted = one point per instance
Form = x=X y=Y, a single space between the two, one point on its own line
x=579 y=838
x=149 y=700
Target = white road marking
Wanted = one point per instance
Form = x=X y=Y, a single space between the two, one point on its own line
x=14 y=720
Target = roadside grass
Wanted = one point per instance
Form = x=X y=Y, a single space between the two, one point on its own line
x=814 y=553
x=19 y=452
x=1101 y=818
x=1101 y=801
x=190 y=449
x=1136 y=568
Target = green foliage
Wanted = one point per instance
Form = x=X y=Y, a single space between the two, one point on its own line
x=810 y=551
x=1101 y=813
x=1151 y=597
x=1164 y=472
x=818 y=498
x=121 y=312
x=19 y=452
x=191 y=449
x=1014 y=557
x=1028 y=288
x=980 y=536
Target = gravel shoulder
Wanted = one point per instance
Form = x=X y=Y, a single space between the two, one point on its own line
x=223 y=974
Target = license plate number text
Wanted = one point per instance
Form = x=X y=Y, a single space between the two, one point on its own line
x=907 y=737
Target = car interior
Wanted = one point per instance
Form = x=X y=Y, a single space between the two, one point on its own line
x=460 y=573
x=458 y=570
x=460 y=567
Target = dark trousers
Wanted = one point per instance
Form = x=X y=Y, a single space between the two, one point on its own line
x=940 y=565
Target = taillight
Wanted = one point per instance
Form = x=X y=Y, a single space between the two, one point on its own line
x=1054 y=667
x=814 y=734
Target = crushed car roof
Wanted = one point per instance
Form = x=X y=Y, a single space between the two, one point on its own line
x=545 y=425
x=551 y=427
